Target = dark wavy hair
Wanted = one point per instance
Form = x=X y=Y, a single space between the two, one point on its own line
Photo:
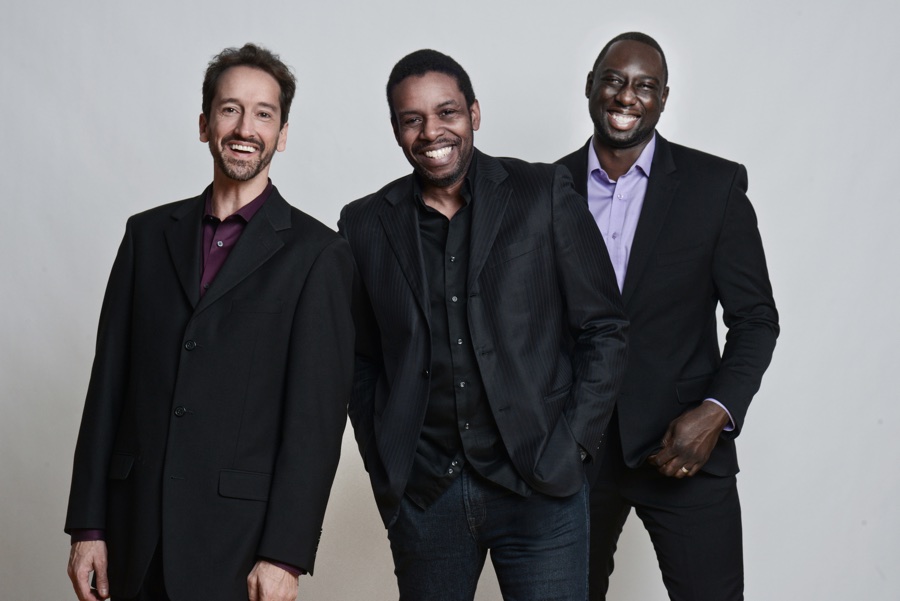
x=250 y=55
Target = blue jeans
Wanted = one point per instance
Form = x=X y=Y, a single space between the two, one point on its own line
x=538 y=544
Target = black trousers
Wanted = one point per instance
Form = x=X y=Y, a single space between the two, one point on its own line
x=694 y=524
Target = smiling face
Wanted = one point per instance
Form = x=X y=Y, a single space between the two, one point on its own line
x=243 y=130
x=626 y=94
x=434 y=127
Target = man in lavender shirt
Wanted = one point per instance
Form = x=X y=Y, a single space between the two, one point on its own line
x=212 y=427
x=682 y=237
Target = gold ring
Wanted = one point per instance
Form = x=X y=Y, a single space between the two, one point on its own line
x=685 y=470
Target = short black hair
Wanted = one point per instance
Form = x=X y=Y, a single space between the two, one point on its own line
x=635 y=36
x=250 y=55
x=424 y=61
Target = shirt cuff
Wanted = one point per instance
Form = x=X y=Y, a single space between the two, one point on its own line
x=80 y=535
x=292 y=570
x=730 y=425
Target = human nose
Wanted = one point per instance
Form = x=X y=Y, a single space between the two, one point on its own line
x=243 y=126
x=626 y=95
x=432 y=128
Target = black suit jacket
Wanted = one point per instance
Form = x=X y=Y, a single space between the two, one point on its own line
x=544 y=317
x=696 y=245
x=215 y=423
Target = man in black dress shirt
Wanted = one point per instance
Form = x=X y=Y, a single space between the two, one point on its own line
x=490 y=349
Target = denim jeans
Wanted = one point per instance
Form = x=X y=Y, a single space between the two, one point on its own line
x=538 y=544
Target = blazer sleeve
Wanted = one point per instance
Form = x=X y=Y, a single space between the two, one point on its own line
x=595 y=315
x=106 y=391
x=320 y=371
x=742 y=283
x=368 y=364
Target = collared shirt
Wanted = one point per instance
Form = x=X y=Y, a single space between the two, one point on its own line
x=616 y=205
x=220 y=235
x=459 y=428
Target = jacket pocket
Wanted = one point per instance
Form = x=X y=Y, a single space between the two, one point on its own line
x=252 y=486
x=692 y=390
x=499 y=256
x=120 y=466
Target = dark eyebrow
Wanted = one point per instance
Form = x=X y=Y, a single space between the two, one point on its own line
x=265 y=105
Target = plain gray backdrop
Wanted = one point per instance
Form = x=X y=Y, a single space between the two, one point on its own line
x=99 y=108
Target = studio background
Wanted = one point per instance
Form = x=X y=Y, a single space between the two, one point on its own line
x=99 y=108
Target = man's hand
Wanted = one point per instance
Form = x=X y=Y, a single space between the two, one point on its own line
x=689 y=440
x=84 y=558
x=268 y=582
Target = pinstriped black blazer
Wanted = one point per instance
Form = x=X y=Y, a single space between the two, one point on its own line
x=544 y=315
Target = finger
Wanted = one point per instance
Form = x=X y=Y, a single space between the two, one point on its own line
x=102 y=580
x=80 y=580
x=252 y=587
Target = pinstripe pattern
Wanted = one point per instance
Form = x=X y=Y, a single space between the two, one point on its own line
x=544 y=316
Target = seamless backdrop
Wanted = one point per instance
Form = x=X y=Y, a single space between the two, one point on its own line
x=99 y=105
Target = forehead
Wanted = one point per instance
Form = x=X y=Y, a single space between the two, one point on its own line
x=629 y=55
x=420 y=92
x=248 y=84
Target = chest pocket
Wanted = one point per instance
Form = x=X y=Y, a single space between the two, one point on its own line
x=505 y=254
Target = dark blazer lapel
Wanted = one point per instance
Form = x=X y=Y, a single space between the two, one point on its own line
x=661 y=190
x=401 y=226
x=257 y=244
x=578 y=169
x=490 y=199
x=183 y=238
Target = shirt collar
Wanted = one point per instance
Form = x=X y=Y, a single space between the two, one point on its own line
x=643 y=162
x=247 y=211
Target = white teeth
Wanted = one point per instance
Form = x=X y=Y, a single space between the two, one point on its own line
x=623 y=119
x=243 y=148
x=439 y=153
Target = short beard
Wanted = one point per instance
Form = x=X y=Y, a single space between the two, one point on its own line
x=459 y=170
x=241 y=170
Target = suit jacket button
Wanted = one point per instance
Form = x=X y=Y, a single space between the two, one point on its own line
x=190 y=345
x=180 y=411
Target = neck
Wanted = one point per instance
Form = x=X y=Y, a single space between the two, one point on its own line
x=617 y=161
x=229 y=195
x=446 y=201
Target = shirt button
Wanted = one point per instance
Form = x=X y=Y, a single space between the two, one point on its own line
x=615 y=235
x=180 y=411
x=454 y=298
x=425 y=373
x=190 y=345
x=466 y=426
x=455 y=463
x=452 y=259
x=619 y=196
x=462 y=384
x=459 y=341
x=450 y=471
x=220 y=244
